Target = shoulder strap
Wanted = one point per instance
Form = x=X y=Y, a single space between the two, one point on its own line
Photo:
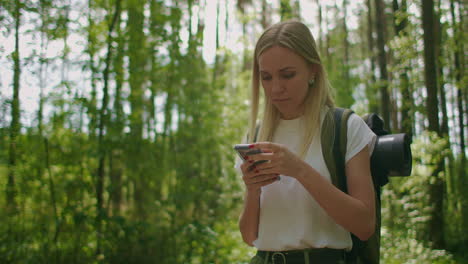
x=334 y=139
x=363 y=251
x=256 y=133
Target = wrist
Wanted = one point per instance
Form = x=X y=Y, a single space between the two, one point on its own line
x=304 y=171
x=254 y=192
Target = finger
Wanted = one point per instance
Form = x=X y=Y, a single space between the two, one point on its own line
x=258 y=175
x=265 y=165
x=262 y=156
x=266 y=146
x=255 y=176
x=273 y=170
x=245 y=165
x=263 y=183
x=262 y=178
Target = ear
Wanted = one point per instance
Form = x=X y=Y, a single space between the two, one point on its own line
x=313 y=69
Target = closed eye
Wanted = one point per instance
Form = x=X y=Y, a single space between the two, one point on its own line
x=288 y=75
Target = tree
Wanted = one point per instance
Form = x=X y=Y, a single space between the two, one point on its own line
x=15 y=114
x=103 y=117
x=373 y=104
x=241 y=6
x=382 y=59
x=436 y=223
x=266 y=19
x=137 y=78
x=407 y=108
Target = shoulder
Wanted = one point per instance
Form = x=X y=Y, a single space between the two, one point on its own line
x=355 y=122
x=359 y=135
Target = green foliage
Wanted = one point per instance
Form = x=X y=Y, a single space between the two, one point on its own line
x=171 y=194
x=406 y=208
x=398 y=247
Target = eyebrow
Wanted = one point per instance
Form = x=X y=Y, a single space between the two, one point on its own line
x=282 y=69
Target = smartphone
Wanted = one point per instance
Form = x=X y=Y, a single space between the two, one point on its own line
x=244 y=150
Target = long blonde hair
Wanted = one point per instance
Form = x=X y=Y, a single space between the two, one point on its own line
x=297 y=37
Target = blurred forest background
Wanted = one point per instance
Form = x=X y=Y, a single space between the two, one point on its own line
x=117 y=120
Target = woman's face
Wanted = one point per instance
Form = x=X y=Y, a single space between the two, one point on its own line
x=285 y=76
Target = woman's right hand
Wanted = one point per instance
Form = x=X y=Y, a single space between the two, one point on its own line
x=254 y=179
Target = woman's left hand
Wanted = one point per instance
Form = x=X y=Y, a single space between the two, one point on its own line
x=280 y=160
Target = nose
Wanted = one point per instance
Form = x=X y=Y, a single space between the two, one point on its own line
x=277 y=86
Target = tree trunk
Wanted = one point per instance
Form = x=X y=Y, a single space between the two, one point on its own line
x=215 y=68
x=327 y=40
x=436 y=188
x=136 y=48
x=407 y=105
x=346 y=76
x=461 y=180
x=241 y=4
x=319 y=21
x=458 y=57
x=373 y=102
x=382 y=56
x=441 y=80
x=102 y=151
x=265 y=15
x=92 y=40
x=15 y=116
x=117 y=125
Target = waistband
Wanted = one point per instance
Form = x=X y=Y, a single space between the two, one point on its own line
x=324 y=255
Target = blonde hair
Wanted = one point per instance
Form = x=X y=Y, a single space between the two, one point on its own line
x=297 y=37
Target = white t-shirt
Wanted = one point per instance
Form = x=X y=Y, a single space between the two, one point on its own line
x=290 y=218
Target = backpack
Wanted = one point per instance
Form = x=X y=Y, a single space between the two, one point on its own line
x=334 y=139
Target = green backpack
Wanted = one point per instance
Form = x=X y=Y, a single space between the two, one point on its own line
x=334 y=139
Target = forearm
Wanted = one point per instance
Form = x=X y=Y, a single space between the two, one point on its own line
x=248 y=222
x=349 y=212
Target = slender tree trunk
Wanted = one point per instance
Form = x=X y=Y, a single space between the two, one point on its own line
x=136 y=48
x=215 y=68
x=458 y=56
x=327 y=41
x=117 y=125
x=346 y=75
x=265 y=15
x=226 y=20
x=407 y=105
x=92 y=40
x=440 y=66
x=241 y=4
x=102 y=125
x=11 y=191
x=346 y=42
x=461 y=180
x=436 y=188
x=382 y=55
x=42 y=67
x=53 y=199
x=319 y=21
x=65 y=85
x=373 y=104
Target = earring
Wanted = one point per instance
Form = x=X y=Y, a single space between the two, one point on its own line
x=311 y=82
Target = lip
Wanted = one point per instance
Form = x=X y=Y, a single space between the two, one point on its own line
x=280 y=100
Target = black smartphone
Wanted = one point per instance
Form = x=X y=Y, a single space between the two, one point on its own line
x=244 y=150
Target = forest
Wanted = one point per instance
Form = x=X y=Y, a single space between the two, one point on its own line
x=118 y=118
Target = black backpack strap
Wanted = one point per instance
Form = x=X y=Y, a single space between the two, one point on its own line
x=256 y=133
x=341 y=116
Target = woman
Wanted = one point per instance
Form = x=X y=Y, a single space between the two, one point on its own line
x=303 y=217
